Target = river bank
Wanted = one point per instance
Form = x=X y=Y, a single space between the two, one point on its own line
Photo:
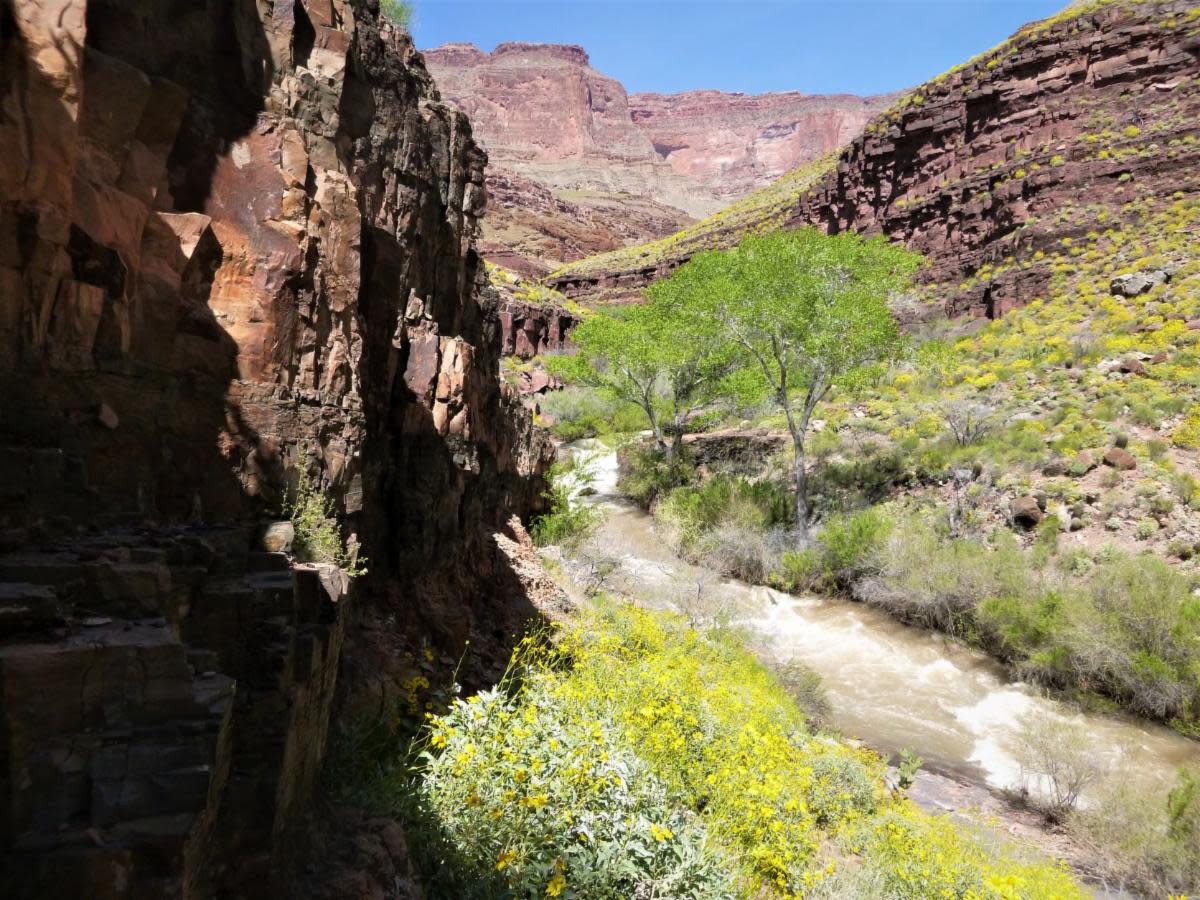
x=891 y=686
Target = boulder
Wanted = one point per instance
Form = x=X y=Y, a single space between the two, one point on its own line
x=1120 y=458
x=278 y=537
x=1025 y=511
x=1136 y=283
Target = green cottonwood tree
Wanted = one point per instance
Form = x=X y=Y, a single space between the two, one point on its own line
x=659 y=355
x=807 y=311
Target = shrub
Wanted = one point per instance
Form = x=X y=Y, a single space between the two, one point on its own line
x=581 y=412
x=1057 y=762
x=641 y=758
x=318 y=533
x=910 y=856
x=398 y=12
x=646 y=474
x=968 y=421
x=799 y=570
x=1187 y=434
x=1143 y=840
x=805 y=688
x=568 y=522
x=537 y=801
x=850 y=542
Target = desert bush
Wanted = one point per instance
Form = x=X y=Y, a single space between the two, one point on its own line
x=568 y=522
x=850 y=543
x=637 y=757
x=1057 y=763
x=799 y=570
x=940 y=583
x=968 y=421
x=806 y=689
x=1143 y=840
x=537 y=801
x=318 y=532
x=582 y=412
x=647 y=474
x=910 y=856
x=731 y=503
x=1128 y=627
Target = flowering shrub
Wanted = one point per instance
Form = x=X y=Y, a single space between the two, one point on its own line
x=544 y=801
x=636 y=757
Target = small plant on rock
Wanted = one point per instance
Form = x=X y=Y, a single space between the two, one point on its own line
x=318 y=533
x=398 y=12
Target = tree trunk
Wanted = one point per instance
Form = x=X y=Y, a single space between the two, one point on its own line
x=800 y=483
x=676 y=439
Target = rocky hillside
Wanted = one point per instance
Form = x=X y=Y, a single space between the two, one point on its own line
x=579 y=167
x=234 y=246
x=1088 y=111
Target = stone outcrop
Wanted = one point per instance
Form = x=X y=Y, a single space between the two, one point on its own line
x=236 y=240
x=580 y=167
x=734 y=143
x=1041 y=140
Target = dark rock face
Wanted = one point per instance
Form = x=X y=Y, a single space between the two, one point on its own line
x=233 y=242
x=1088 y=112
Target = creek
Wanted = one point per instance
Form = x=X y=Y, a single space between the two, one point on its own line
x=891 y=686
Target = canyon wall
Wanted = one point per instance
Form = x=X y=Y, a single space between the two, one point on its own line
x=1046 y=137
x=236 y=242
x=580 y=167
x=734 y=143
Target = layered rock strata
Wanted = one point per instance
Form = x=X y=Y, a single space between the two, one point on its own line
x=236 y=240
x=1041 y=140
x=734 y=143
x=580 y=167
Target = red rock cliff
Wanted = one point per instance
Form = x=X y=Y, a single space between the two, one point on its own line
x=734 y=143
x=236 y=239
x=1044 y=138
x=595 y=169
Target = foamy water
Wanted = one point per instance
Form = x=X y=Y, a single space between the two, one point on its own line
x=891 y=686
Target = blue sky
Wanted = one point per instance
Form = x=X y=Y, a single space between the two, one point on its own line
x=815 y=46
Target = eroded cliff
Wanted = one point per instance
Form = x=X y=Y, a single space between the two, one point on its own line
x=1051 y=135
x=236 y=240
x=579 y=167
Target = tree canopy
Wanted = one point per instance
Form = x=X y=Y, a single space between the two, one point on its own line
x=659 y=355
x=782 y=318
x=805 y=311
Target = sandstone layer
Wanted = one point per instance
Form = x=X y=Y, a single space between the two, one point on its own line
x=579 y=167
x=236 y=241
x=1046 y=137
x=734 y=143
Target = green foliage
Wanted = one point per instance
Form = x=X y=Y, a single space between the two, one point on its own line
x=806 y=311
x=910 y=765
x=850 y=542
x=1128 y=628
x=539 y=800
x=647 y=473
x=318 y=533
x=568 y=523
x=637 y=755
x=398 y=12
x=657 y=355
x=583 y=412
x=1143 y=838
